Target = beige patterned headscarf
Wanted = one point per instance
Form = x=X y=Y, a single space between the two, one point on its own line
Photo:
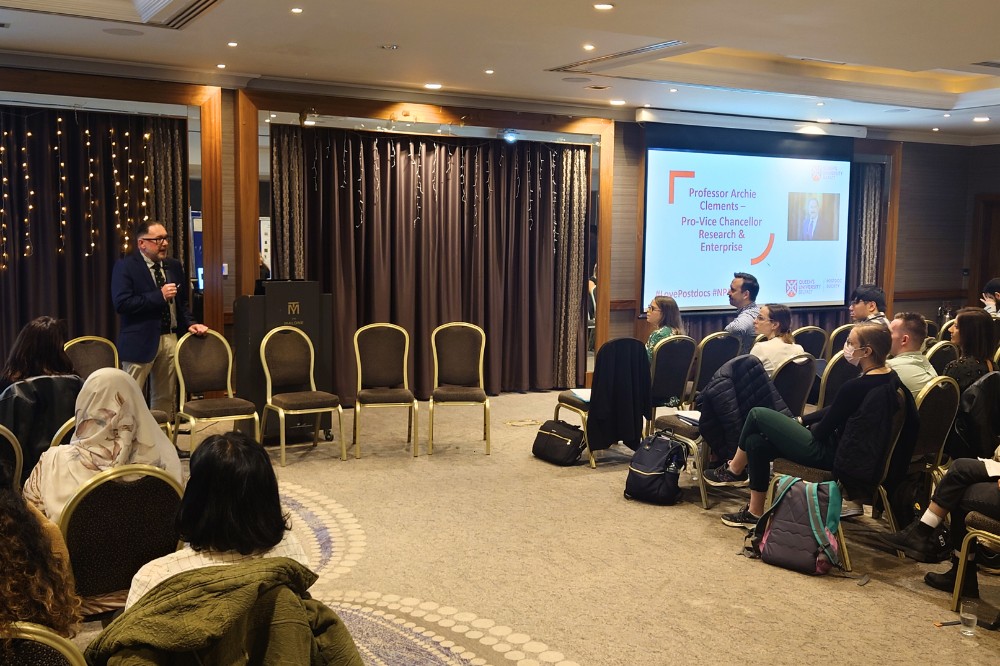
x=113 y=428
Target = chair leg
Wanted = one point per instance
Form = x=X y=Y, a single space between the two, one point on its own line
x=343 y=442
x=319 y=417
x=430 y=428
x=586 y=443
x=409 y=426
x=845 y=556
x=413 y=431
x=357 y=427
x=702 y=465
x=281 y=435
x=963 y=560
x=486 y=424
x=263 y=422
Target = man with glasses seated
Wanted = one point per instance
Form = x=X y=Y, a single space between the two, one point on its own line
x=868 y=305
x=150 y=294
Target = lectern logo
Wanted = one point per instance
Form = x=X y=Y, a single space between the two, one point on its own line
x=293 y=307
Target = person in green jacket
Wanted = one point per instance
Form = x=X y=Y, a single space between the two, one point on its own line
x=665 y=318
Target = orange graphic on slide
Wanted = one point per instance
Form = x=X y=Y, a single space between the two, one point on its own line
x=767 y=250
x=677 y=174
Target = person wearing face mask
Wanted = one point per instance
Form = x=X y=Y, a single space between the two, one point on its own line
x=768 y=435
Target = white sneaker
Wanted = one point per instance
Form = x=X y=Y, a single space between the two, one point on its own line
x=851 y=509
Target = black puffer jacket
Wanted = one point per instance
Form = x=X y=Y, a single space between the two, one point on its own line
x=737 y=387
x=977 y=420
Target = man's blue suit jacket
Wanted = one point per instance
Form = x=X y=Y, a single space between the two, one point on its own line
x=139 y=304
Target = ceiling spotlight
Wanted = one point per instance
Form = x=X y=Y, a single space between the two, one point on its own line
x=603 y=6
x=947 y=115
x=221 y=66
x=935 y=129
x=296 y=10
x=819 y=104
x=588 y=47
x=673 y=90
x=617 y=102
x=489 y=71
x=508 y=135
x=389 y=47
x=232 y=44
x=432 y=86
x=981 y=119
x=307 y=117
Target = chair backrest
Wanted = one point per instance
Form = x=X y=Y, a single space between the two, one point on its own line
x=382 y=352
x=113 y=525
x=937 y=404
x=837 y=371
x=672 y=361
x=32 y=644
x=760 y=338
x=793 y=379
x=945 y=334
x=813 y=340
x=996 y=331
x=62 y=435
x=34 y=409
x=90 y=352
x=941 y=354
x=932 y=328
x=458 y=349
x=10 y=454
x=203 y=363
x=713 y=352
x=898 y=421
x=837 y=339
x=288 y=357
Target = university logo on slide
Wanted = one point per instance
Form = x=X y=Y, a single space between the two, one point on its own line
x=791 y=288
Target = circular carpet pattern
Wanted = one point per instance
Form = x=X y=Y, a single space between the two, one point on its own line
x=328 y=532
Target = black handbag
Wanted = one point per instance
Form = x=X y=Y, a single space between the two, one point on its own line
x=655 y=470
x=558 y=442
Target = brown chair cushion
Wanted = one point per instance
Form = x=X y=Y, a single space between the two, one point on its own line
x=459 y=394
x=211 y=408
x=681 y=428
x=573 y=400
x=979 y=521
x=305 y=400
x=812 y=474
x=374 y=396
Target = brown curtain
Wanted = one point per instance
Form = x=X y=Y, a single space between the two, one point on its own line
x=74 y=183
x=420 y=231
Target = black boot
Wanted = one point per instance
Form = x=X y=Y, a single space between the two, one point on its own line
x=915 y=541
x=946 y=581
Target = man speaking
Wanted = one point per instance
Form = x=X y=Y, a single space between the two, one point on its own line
x=150 y=294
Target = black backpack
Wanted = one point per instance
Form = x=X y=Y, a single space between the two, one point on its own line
x=654 y=472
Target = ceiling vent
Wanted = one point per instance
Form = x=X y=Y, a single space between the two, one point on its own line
x=173 y=14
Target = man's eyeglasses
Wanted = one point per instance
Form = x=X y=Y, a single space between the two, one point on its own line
x=159 y=240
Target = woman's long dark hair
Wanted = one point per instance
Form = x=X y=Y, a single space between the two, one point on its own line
x=38 y=350
x=231 y=500
x=975 y=333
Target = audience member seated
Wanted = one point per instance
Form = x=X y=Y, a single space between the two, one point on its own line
x=238 y=586
x=991 y=293
x=35 y=580
x=775 y=322
x=38 y=388
x=768 y=435
x=37 y=351
x=972 y=332
x=909 y=330
x=113 y=427
x=665 y=318
x=868 y=305
x=970 y=485
x=742 y=294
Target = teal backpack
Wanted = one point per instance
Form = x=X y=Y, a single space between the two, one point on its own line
x=799 y=531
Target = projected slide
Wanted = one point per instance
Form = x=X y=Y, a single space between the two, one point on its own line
x=784 y=220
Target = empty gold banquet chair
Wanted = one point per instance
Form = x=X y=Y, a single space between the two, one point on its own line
x=458 y=350
x=90 y=352
x=289 y=360
x=382 y=352
x=812 y=339
x=204 y=363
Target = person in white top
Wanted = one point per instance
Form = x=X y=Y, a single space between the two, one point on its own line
x=775 y=322
x=230 y=513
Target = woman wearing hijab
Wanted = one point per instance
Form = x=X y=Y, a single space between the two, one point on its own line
x=113 y=428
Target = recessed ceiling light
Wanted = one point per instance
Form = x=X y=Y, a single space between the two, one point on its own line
x=935 y=129
x=617 y=102
x=267 y=120
x=432 y=86
x=221 y=66
x=390 y=47
x=232 y=44
x=819 y=104
x=673 y=90
x=603 y=6
x=588 y=47
x=947 y=115
x=274 y=115
x=309 y=122
x=981 y=119
x=823 y=120
x=645 y=106
x=296 y=10
x=489 y=71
